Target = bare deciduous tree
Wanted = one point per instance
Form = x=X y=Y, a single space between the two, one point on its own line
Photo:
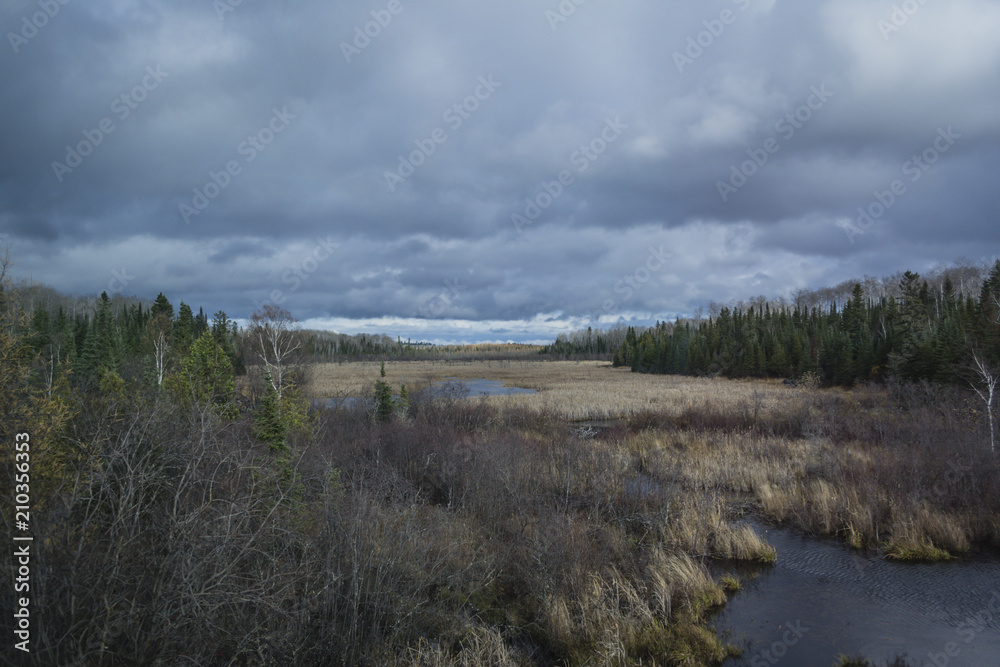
x=984 y=383
x=159 y=333
x=272 y=329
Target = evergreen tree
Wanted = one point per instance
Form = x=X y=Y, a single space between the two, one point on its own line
x=184 y=333
x=206 y=378
x=99 y=347
x=161 y=306
x=200 y=323
x=384 y=405
x=269 y=427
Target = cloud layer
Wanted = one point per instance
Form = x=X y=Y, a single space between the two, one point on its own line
x=485 y=171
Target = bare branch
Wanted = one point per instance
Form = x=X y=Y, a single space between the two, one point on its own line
x=273 y=330
x=985 y=384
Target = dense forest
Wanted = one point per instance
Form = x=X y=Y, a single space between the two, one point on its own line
x=905 y=326
x=328 y=346
x=117 y=339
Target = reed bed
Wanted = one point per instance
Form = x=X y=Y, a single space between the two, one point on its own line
x=579 y=521
x=896 y=468
x=574 y=390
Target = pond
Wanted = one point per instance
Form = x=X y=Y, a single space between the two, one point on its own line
x=822 y=600
x=476 y=387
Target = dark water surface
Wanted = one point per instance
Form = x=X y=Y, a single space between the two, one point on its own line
x=477 y=387
x=821 y=600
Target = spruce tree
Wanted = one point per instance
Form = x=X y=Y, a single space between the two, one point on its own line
x=184 y=328
x=383 y=402
x=269 y=427
x=161 y=306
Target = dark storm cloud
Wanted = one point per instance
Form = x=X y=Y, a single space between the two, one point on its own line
x=491 y=170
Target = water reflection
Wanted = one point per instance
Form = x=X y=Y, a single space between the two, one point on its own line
x=477 y=387
x=851 y=603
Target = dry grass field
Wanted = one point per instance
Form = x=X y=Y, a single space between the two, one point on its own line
x=870 y=464
x=573 y=390
x=576 y=526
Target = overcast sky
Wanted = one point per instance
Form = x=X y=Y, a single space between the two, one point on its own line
x=465 y=171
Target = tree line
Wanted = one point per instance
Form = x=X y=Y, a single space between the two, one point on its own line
x=914 y=332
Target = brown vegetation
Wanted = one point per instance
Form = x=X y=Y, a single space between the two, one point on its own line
x=481 y=531
x=902 y=468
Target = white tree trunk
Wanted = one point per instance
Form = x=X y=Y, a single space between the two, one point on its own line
x=985 y=386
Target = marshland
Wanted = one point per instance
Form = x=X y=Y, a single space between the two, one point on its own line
x=621 y=504
x=195 y=498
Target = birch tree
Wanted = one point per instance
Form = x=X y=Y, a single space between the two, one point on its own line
x=160 y=329
x=984 y=383
x=272 y=330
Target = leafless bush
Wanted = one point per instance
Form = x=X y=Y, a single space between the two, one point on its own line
x=468 y=534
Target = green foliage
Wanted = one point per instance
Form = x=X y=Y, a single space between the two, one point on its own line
x=184 y=332
x=920 y=336
x=294 y=410
x=100 y=348
x=225 y=333
x=404 y=400
x=205 y=378
x=384 y=405
x=161 y=306
x=112 y=384
x=275 y=420
x=269 y=427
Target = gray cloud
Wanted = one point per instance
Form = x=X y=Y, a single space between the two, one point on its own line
x=697 y=91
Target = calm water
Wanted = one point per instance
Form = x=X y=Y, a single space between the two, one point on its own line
x=477 y=387
x=821 y=600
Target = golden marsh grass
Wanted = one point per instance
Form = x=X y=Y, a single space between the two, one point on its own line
x=574 y=390
x=815 y=458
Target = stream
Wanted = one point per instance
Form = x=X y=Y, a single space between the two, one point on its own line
x=822 y=600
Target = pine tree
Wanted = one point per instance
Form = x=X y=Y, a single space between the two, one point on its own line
x=184 y=328
x=384 y=406
x=269 y=427
x=205 y=378
x=99 y=347
x=161 y=306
